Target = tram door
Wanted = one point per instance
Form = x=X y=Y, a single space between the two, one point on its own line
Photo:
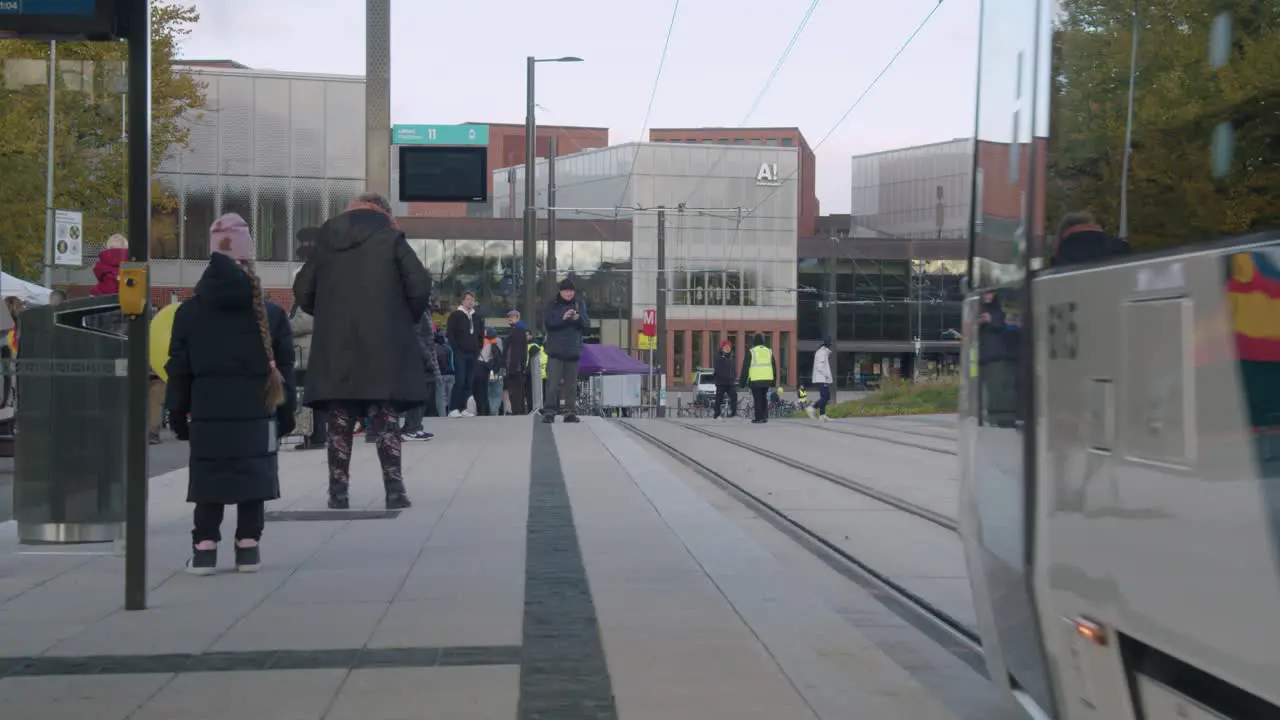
x=997 y=422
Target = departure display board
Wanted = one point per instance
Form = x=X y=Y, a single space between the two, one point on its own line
x=60 y=19
x=444 y=174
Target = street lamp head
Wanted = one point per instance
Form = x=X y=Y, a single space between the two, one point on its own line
x=566 y=58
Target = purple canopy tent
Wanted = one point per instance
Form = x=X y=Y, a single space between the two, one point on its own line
x=609 y=360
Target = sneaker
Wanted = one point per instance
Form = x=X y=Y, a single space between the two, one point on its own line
x=811 y=413
x=248 y=559
x=571 y=419
x=468 y=413
x=339 y=501
x=824 y=418
x=419 y=435
x=203 y=562
x=455 y=414
x=548 y=418
x=398 y=501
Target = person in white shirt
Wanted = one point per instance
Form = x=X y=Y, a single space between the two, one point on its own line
x=822 y=379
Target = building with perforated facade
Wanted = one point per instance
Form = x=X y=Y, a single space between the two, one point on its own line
x=284 y=150
x=730 y=253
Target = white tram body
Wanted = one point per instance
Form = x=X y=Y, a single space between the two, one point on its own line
x=1120 y=422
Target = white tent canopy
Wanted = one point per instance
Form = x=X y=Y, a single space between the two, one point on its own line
x=31 y=293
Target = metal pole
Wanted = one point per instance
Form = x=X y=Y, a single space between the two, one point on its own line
x=551 y=213
x=832 y=320
x=377 y=97
x=47 y=276
x=530 y=213
x=1128 y=132
x=136 y=470
x=661 y=337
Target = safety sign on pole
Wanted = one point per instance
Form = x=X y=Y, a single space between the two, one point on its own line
x=68 y=238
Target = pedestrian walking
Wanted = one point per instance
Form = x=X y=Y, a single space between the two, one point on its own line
x=230 y=395
x=822 y=379
x=366 y=289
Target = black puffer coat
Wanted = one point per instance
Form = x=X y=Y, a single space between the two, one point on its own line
x=366 y=290
x=218 y=374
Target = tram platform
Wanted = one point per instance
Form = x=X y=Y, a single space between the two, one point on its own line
x=551 y=572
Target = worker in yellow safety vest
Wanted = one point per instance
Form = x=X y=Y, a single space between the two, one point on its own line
x=758 y=373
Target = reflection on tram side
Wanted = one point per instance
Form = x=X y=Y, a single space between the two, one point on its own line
x=1120 y=435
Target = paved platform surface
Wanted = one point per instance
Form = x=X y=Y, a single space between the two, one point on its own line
x=550 y=572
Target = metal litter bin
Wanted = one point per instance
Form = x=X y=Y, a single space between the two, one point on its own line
x=70 y=423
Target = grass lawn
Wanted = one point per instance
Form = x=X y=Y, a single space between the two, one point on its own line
x=900 y=397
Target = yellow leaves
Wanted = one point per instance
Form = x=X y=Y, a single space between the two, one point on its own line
x=89 y=158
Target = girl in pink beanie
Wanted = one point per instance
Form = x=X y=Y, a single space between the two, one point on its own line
x=231 y=396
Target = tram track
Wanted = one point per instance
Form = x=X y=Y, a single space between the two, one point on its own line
x=845 y=429
x=877 y=494
x=947 y=432
x=956 y=635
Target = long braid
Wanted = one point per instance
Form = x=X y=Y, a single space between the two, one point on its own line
x=274 y=393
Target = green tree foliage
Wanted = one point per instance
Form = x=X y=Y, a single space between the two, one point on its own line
x=1205 y=156
x=89 y=155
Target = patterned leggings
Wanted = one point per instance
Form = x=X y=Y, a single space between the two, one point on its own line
x=386 y=429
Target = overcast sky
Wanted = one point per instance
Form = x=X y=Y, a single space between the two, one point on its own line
x=454 y=62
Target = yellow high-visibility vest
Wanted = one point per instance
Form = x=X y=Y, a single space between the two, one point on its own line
x=542 y=357
x=761 y=368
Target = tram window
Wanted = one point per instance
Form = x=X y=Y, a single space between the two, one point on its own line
x=1204 y=135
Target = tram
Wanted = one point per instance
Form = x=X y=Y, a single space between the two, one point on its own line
x=1120 y=417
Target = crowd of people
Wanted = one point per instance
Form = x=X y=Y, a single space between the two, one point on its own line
x=359 y=350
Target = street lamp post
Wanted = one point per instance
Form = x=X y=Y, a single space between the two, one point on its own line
x=530 y=188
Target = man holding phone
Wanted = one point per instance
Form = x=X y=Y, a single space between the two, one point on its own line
x=566 y=320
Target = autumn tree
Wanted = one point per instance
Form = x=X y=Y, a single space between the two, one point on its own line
x=90 y=165
x=1205 y=158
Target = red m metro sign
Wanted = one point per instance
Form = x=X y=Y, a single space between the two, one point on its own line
x=649 y=326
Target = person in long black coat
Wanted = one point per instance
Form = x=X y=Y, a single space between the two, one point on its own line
x=366 y=290
x=231 y=395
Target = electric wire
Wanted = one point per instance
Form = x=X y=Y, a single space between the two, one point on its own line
x=653 y=95
x=866 y=91
x=764 y=90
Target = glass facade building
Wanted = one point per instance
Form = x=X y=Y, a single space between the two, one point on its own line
x=730 y=253
x=284 y=150
x=914 y=193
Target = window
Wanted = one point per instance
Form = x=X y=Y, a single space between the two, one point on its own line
x=678 y=369
x=753 y=141
x=697 y=348
x=786 y=142
x=739 y=141
x=722 y=141
x=771 y=141
x=784 y=356
x=715 y=345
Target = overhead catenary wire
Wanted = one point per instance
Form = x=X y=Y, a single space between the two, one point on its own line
x=861 y=96
x=865 y=92
x=653 y=95
x=764 y=90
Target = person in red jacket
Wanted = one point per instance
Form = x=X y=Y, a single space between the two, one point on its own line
x=107 y=269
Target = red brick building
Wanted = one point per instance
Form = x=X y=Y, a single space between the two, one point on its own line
x=506 y=149
x=808 y=210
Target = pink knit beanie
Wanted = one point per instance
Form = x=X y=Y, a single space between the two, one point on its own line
x=230 y=236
